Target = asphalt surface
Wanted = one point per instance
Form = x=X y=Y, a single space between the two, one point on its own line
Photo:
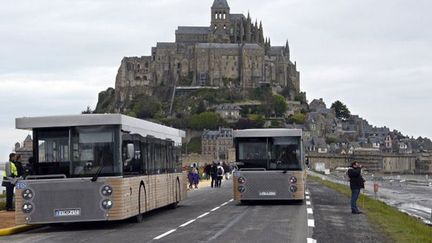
x=334 y=220
x=207 y=215
x=408 y=193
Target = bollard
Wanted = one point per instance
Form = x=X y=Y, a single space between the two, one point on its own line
x=376 y=186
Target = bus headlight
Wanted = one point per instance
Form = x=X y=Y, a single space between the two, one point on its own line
x=107 y=190
x=241 y=180
x=27 y=194
x=107 y=204
x=241 y=189
x=293 y=188
x=27 y=207
x=293 y=180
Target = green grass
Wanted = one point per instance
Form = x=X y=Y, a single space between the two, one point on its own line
x=398 y=226
x=2 y=205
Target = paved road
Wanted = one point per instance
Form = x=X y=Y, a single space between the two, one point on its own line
x=334 y=220
x=208 y=215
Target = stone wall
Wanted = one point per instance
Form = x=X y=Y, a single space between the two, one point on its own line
x=189 y=159
x=387 y=163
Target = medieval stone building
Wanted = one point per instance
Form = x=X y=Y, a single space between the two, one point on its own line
x=231 y=52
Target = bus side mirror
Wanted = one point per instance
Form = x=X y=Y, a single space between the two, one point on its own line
x=130 y=151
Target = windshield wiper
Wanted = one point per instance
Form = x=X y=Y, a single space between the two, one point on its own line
x=96 y=175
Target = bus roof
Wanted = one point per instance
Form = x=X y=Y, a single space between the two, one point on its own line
x=127 y=123
x=270 y=132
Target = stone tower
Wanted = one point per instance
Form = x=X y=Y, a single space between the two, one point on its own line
x=220 y=21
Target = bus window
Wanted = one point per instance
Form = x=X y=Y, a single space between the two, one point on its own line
x=253 y=151
x=93 y=149
x=52 y=152
x=164 y=157
x=53 y=146
x=157 y=158
x=285 y=153
x=150 y=157
x=144 y=156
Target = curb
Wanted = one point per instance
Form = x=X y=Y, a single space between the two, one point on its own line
x=17 y=229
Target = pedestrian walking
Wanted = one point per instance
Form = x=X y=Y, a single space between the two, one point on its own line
x=207 y=171
x=9 y=178
x=195 y=176
x=356 y=184
x=220 y=173
x=213 y=174
x=190 y=176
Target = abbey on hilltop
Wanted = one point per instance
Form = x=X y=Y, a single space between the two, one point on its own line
x=231 y=52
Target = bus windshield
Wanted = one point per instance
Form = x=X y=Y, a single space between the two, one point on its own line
x=273 y=153
x=93 y=149
x=77 y=151
x=285 y=153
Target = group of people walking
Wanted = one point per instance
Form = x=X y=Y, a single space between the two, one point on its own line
x=214 y=171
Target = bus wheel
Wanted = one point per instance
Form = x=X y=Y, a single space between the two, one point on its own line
x=173 y=205
x=138 y=218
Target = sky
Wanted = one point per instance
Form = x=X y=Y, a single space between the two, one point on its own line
x=374 y=56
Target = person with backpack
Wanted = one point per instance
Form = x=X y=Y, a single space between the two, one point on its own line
x=220 y=173
x=356 y=184
x=213 y=174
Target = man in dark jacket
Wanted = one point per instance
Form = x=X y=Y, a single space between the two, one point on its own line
x=213 y=174
x=356 y=184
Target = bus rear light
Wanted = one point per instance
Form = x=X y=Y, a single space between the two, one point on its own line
x=27 y=194
x=27 y=207
x=293 y=180
x=241 y=180
x=293 y=188
x=107 y=190
x=241 y=189
x=107 y=204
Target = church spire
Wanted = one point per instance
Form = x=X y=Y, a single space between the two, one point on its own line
x=287 y=49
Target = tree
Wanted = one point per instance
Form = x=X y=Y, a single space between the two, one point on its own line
x=247 y=123
x=341 y=110
x=87 y=111
x=201 y=107
x=298 y=118
x=279 y=104
x=205 y=120
x=146 y=107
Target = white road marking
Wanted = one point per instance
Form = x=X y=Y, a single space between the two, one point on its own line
x=309 y=211
x=310 y=240
x=187 y=223
x=164 y=234
x=203 y=215
x=307 y=197
x=311 y=223
x=308 y=203
x=214 y=209
x=191 y=221
x=307 y=192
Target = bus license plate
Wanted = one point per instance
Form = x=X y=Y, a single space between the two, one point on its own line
x=67 y=212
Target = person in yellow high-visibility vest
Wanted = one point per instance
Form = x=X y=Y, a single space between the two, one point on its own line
x=9 y=175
